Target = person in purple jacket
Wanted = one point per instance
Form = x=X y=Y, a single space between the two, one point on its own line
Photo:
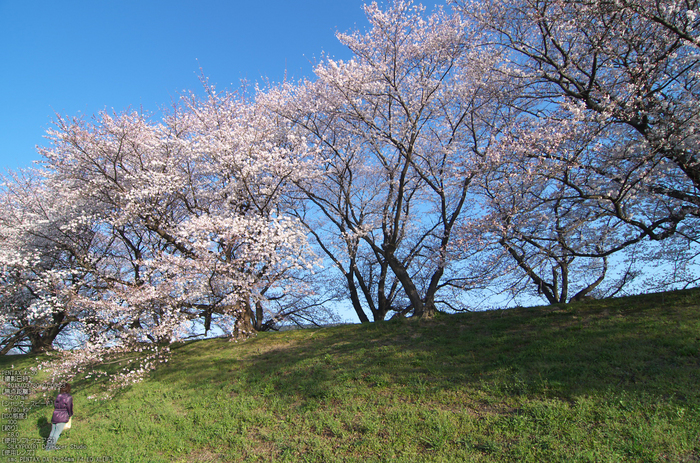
x=63 y=410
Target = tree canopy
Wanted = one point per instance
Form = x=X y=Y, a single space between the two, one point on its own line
x=514 y=149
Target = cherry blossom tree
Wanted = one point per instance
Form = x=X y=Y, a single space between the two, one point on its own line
x=40 y=271
x=628 y=69
x=402 y=130
x=140 y=232
x=603 y=131
x=191 y=207
x=540 y=234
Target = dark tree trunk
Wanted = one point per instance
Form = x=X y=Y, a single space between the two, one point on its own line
x=355 y=298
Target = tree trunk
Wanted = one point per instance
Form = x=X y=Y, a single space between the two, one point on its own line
x=355 y=298
x=244 y=326
x=419 y=308
x=258 y=316
x=40 y=344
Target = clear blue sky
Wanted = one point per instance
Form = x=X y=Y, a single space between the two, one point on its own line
x=80 y=57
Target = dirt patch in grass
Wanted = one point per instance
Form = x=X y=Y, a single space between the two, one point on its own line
x=205 y=455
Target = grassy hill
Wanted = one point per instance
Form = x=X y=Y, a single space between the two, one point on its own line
x=603 y=381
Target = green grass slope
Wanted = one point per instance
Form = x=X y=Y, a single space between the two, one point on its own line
x=601 y=381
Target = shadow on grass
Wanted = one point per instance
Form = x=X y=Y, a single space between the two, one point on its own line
x=646 y=344
x=44 y=427
x=418 y=388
